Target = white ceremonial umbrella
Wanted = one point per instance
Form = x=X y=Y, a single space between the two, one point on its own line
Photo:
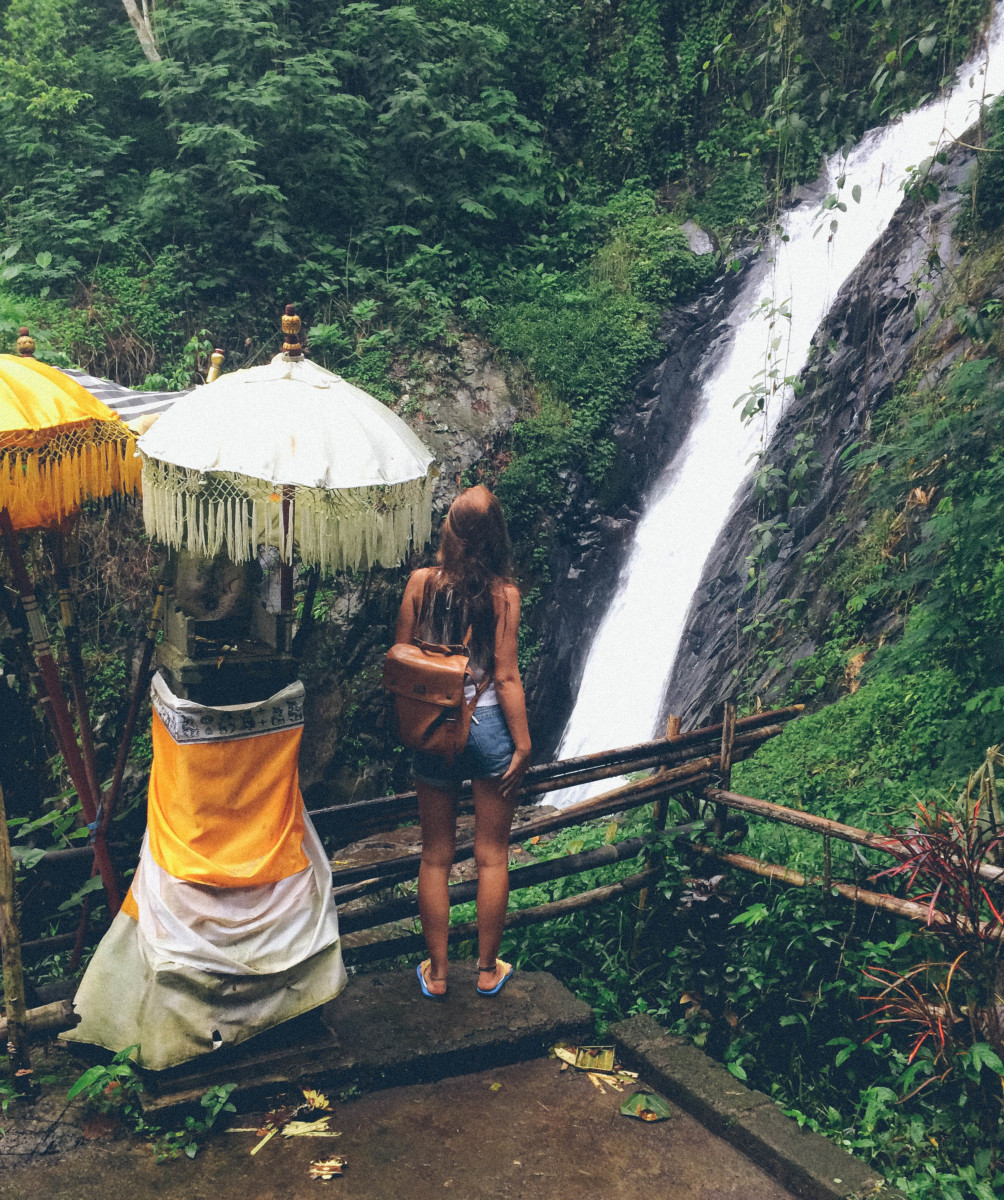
x=220 y=463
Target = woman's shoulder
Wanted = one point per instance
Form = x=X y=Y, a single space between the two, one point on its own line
x=419 y=577
x=505 y=594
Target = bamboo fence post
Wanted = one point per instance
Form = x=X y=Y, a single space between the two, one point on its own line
x=725 y=759
x=660 y=808
x=827 y=865
x=13 y=973
x=58 y=707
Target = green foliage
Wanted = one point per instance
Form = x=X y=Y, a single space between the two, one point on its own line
x=109 y=1088
x=582 y=319
x=988 y=183
x=169 y=1143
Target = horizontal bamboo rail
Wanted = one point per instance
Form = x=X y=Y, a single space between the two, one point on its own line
x=908 y=909
x=389 y=811
x=401 y=907
x=672 y=776
x=550 y=777
x=821 y=825
x=677 y=779
x=58 y=1015
x=358 y=952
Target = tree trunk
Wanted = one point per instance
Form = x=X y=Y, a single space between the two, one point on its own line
x=143 y=25
x=13 y=977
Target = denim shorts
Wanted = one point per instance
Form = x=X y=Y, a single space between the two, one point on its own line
x=488 y=752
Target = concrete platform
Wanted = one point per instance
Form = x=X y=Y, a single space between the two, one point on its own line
x=381 y=1032
x=808 y=1164
x=529 y=1131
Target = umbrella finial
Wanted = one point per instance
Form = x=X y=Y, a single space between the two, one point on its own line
x=25 y=342
x=215 y=362
x=291 y=347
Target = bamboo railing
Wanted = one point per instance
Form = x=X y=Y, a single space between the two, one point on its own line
x=693 y=765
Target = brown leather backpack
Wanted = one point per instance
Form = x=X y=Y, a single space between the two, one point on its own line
x=427 y=681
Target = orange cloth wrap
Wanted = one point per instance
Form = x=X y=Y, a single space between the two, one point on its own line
x=227 y=813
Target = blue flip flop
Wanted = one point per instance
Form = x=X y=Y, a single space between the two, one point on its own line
x=499 y=986
x=422 y=984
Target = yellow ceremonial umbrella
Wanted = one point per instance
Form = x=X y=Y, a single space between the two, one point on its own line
x=59 y=445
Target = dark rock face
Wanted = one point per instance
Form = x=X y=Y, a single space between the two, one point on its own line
x=590 y=544
x=857 y=357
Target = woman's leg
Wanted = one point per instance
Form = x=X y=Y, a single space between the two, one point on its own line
x=438 y=817
x=492 y=821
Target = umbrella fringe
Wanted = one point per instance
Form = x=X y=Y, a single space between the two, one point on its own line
x=334 y=530
x=42 y=487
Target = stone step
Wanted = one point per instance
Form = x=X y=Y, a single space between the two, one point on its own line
x=382 y=1032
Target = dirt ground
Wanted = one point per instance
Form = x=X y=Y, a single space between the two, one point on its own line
x=530 y=1131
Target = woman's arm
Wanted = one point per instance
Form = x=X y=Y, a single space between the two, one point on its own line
x=411 y=605
x=509 y=687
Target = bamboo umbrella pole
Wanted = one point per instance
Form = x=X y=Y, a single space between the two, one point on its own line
x=13 y=974
x=138 y=689
x=286 y=570
x=58 y=708
x=75 y=662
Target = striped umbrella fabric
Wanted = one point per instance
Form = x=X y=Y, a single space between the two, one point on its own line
x=129 y=404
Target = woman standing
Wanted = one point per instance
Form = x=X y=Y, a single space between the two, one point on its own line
x=470 y=590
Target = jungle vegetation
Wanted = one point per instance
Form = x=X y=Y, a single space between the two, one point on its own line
x=520 y=169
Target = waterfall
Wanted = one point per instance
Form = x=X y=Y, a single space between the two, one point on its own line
x=631 y=658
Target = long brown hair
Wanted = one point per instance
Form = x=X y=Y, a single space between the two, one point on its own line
x=475 y=558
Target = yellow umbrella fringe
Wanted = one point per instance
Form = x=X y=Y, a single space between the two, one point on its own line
x=41 y=488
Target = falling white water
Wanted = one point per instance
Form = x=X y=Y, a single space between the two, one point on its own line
x=630 y=661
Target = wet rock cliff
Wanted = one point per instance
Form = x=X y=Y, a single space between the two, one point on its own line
x=887 y=306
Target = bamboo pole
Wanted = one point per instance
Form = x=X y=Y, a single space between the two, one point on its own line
x=403 y=804
x=58 y=709
x=660 y=808
x=661 y=751
x=394 y=809
x=725 y=758
x=402 y=907
x=138 y=690
x=628 y=796
x=909 y=909
x=285 y=624
x=58 y=1015
x=359 y=952
x=75 y=666
x=13 y=973
x=821 y=825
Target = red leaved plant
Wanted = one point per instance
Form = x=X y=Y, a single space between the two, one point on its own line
x=947 y=864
